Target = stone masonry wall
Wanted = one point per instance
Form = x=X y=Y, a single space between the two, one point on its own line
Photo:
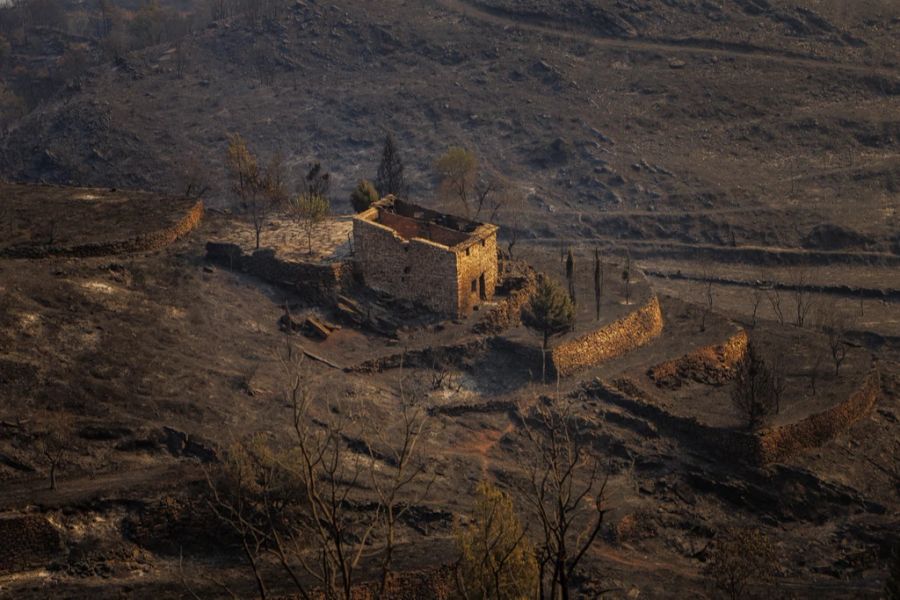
x=615 y=339
x=712 y=365
x=445 y=279
x=479 y=257
x=780 y=442
x=147 y=242
x=415 y=269
x=315 y=282
x=26 y=542
x=507 y=312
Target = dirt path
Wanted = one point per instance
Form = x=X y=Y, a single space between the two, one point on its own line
x=480 y=446
x=18 y=495
x=499 y=18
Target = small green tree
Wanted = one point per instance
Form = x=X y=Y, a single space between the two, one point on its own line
x=550 y=312
x=740 y=555
x=496 y=560
x=363 y=196
x=310 y=210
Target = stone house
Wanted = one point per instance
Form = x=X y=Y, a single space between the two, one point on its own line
x=445 y=263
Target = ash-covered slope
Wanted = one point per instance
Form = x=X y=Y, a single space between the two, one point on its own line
x=580 y=121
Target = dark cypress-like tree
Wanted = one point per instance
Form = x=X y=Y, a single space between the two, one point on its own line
x=390 y=171
x=598 y=281
x=570 y=275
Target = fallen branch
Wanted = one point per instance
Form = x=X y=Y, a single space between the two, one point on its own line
x=322 y=359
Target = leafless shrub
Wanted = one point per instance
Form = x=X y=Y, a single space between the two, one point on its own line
x=55 y=442
x=566 y=493
x=803 y=302
x=756 y=296
x=774 y=297
x=758 y=388
x=304 y=504
x=834 y=325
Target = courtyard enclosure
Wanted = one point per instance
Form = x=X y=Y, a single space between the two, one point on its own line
x=445 y=263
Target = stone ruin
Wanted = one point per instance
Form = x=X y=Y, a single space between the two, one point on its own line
x=445 y=263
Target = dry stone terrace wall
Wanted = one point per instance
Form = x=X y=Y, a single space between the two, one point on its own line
x=711 y=364
x=758 y=448
x=615 y=339
x=148 y=242
x=778 y=443
x=315 y=282
x=26 y=542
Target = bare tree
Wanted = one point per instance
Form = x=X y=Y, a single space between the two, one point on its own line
x=708 y=297
x=834 y=325
x=566 y=493
x=194 y=178
x=457 y=171
x=304 y=502
x=246 y=183
x=310 y=210
x=774 y=297
x=626 y=278
x=399 y=449
x=55 y=443
x=803 y=302
x=814 y=373
x=756 y=296
x=758 y=388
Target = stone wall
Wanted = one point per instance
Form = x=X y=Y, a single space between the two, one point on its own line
x=476 y=259
x=758 y=448
x=712 y=365
x=516 y=289
x=314 y=282
x=610 y=341
x=780 y=442
x=445 y=279
x=415 y=269
x=148 y=242
x=27 y=542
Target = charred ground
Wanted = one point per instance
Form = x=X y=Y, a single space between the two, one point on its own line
x=752 y=144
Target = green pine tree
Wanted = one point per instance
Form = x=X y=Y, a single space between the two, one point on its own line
x=550 y=312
